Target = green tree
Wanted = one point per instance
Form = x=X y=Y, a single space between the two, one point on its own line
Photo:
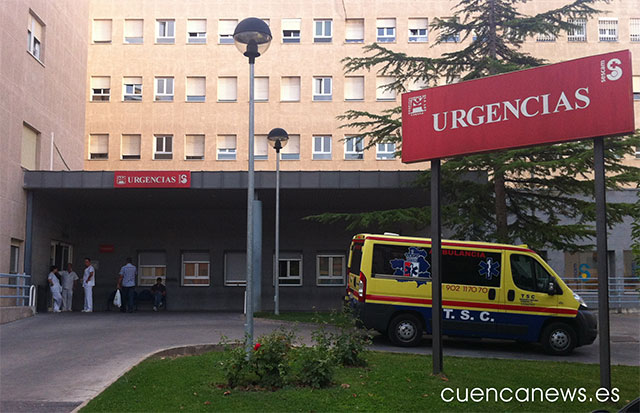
x=541 y=195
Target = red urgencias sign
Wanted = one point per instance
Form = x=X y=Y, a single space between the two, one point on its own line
x=152 y=179
x=577 y=99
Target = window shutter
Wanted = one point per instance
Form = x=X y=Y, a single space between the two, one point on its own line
x=197 y=25
x=130 y=145
x=132 y=80
x=36 y=28
x=354 y=87
x=152 y=258
x=226 y=141
x=196 y=86
x=290 y=24
x=261 y=145
x=100 y=82
x=416 y=24
x=261 y=91
x=386 y=23
x=195 y=145
x=290 y=88
x=381 y=93
x=227 y=88
x=293 y=146
x=29 y=148
x=195 y=256
x=101 y=30
x=99 y=143
x=227 y=27
x=133 y=28
x=354 y=29
x=636 y=84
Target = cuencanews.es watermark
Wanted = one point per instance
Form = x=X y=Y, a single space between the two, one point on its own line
x=526 y=395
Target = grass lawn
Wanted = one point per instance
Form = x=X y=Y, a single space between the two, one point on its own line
x=303 y=317
x=392 y=382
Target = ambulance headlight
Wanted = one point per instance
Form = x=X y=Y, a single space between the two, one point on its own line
x=579 y=299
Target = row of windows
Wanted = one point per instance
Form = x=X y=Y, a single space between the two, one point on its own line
x=417 y=30
x=226 y=147
x=196 y=269
x=227 y=88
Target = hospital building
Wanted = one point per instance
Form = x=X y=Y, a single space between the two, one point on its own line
x=94 y=93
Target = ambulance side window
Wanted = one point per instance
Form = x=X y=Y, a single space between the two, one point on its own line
x=356 y=259
x=528 y=274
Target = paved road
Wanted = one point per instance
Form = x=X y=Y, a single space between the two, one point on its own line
x=54 y=362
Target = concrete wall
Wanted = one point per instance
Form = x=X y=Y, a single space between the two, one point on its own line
x=46 y=94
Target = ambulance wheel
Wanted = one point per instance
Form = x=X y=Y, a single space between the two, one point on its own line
x=559 y=339
x=405 y=330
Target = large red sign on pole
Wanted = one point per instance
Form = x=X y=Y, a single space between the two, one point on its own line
x=152 y=179
x=577 y=99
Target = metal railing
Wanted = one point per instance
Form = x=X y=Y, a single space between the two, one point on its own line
x=624 y=292
x=16 y=290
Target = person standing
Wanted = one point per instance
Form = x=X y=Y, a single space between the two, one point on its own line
x=127 y=284
x=88 y=281
x=69 y=279
x=56 y=290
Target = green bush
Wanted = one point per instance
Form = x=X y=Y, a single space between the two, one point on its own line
x=346 y=342
x=314 y=367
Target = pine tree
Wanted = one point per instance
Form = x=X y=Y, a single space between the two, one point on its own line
x=541 y=195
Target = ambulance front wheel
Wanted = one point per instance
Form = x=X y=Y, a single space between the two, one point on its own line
x=405 y=330
x=559 y=339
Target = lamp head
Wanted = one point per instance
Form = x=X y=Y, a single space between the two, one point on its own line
x=278 y=138
x=252 y=37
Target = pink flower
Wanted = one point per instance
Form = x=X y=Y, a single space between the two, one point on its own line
x=256 y=347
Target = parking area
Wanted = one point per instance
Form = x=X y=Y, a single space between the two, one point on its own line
x=54 y=362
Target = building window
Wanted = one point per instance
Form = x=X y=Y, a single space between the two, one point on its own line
x=291 y=152
x=133 y=31
x=227 y=89
x=29 y=152
x=353 y=148
x=235 y=269
x=99 y=146
x=260 y=148
x=382 y=91
x=385 y=150
x=608 y=29
x=354 y=88
x=354 y=31
x=290 y=269
x=14 y=259
x=321 y=148
x=634 y=30
x=151 y=265
x=636 y=87
x=100 y=88
x=102 y=31
x=546 y=37
x=131 y=146
x=164 y=89
x=330 y=270
x=196 y=89
x=194 y=147
x=132 y=89
x=163 y=148
x=226 y=147
x=290 y=89
x=197 y=31
x=225 y=31
x=454 y=38
x=35 y=32
x=195 y=269
x=322 y=88
x=261 y=89
x=579 y=33
x=290 y=30
x=165 y=32
x=386 y=30
x=417 y=84
x=322 y=31
x=418 y=30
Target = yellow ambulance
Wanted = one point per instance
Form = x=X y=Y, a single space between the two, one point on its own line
x=488 y=290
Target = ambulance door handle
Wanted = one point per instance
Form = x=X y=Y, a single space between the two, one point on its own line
x=511 y=295
x=492 y=294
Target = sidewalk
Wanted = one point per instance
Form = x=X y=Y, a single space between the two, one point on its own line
x=54 y=362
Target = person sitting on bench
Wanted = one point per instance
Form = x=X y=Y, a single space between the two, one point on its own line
x=158 y=291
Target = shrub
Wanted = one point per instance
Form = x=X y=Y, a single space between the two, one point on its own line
x=313 y=367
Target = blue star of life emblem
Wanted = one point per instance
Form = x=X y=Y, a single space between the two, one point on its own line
x=489 y=268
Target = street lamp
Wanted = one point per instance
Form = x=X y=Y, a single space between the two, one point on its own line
x=252 y=37
x=278 y=138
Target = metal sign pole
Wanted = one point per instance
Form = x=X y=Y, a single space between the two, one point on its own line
x=603 y=267
x=436 y=260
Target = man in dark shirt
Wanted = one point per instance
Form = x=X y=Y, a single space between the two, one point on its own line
x=158 y=291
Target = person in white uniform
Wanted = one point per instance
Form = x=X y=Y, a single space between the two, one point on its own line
x=88 y=281
x=69 y=279
x=56 y=290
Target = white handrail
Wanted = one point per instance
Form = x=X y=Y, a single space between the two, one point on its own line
x=32 y=297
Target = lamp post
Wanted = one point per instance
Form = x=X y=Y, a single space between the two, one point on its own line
x=278 y=138
x=252 y=38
